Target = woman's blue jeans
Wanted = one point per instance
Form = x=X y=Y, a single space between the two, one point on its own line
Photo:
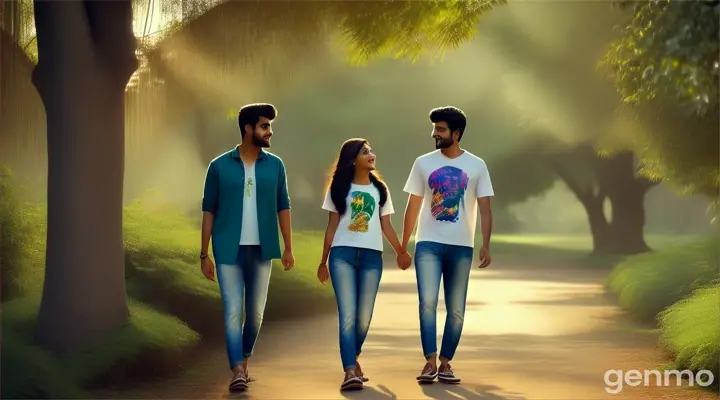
x=355 y=274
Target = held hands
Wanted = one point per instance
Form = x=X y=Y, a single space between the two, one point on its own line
x=288 y=260
x=404 y=260
x=485 y=258
x=208 y=268
x=322 y=273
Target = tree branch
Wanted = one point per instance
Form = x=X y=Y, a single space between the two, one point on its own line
x=62 y=37
x=113 y=37
x=581 y=193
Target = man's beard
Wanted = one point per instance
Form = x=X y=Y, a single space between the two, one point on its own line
x=442 y=143
x=259 y=141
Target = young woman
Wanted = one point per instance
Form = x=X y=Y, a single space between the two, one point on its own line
x=359 y=205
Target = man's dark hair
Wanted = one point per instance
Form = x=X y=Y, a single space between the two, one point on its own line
x=250 y=115
x=453 y=116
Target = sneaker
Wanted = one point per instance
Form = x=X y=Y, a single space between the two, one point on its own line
x=352 y=382
x=238 y=383
x=446 y=374
x=359 y=372
x=428 y=374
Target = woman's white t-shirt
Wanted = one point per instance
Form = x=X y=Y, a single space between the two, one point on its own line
x=360 y=225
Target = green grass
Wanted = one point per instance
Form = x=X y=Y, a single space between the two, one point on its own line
x=172 y=305
x=14 y=235
x=163 y=269
x=30 y=372
x=690 y=330
x=646 y=284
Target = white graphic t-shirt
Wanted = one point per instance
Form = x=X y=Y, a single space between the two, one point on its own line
x=450 y=188
x=250 y=234
x=360 y=225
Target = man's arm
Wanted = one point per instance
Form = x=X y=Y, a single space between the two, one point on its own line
x=286 y=228
x=486 y=221
x=209 y=207
x=484 y=191
x=208 y=219
x=283 y=207
x=412 y=210
x=415 y=187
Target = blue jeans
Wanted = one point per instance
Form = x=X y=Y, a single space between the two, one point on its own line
x=453 y=263
x=243 y=283
x=355 y=274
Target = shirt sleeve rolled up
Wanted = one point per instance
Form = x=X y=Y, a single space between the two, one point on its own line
x=283 y=200
x=211 y=190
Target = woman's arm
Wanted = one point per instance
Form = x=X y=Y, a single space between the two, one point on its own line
x=389 y=232
x=333 y=221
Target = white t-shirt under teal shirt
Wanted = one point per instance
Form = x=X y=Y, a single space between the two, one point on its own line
x=250 y=232
x=360 y=225
x=450 y=188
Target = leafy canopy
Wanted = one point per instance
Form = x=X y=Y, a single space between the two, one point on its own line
x=668 y=48
x=407 y=29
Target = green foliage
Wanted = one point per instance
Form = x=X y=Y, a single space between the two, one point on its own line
x=665 y=64
x=162 y=248
x=171 y=304
x=528 y=164
x=14 y=232
x=668 y=49
x=407 y=29
x=648 y=283
x=676 y=147
x=690 y=330
x=538 y=163
x=30 y=372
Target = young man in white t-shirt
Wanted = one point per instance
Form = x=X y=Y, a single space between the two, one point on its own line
x=443 y=187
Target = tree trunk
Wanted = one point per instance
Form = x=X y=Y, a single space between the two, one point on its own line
x=626 y=191
x=86 y=56
x=593 y=202
x=599 y=226
x=628 y=221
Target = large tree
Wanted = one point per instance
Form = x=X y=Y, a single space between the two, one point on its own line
x=86 y=52
x=593 y=179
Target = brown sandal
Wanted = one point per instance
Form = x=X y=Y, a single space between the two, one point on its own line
x=359 y=372
x=428 y=374
x=352 y=382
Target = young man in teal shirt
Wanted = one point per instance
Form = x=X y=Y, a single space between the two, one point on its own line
x=244 y=200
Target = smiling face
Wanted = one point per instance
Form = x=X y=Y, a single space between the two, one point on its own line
x=365 y=159
x=442 y=135
x=262 y=132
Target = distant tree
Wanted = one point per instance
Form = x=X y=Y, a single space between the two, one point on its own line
x=593 y=179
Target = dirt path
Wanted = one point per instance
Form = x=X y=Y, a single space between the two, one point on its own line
x=528 y=334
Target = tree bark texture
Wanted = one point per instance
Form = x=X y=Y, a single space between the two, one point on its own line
x=86 y=55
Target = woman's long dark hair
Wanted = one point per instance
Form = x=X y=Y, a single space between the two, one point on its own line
x=344 y=172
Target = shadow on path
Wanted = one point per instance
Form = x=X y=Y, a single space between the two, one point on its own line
x=467 y=392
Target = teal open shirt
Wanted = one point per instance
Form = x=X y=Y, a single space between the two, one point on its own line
x=223 y=197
